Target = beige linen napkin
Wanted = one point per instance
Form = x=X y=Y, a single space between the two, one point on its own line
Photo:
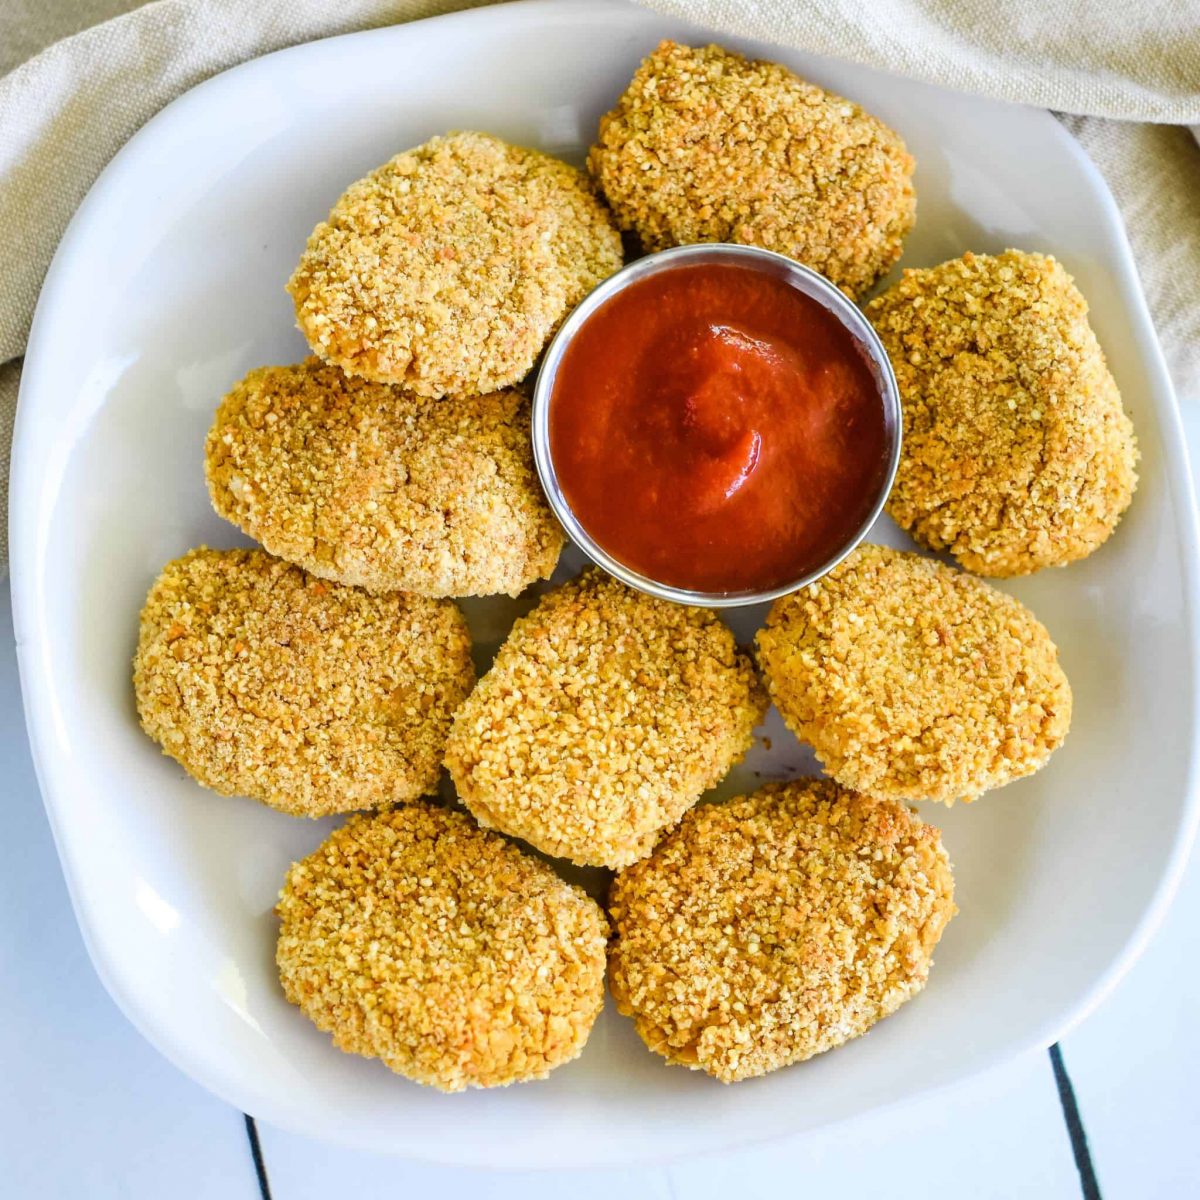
x=66 y=111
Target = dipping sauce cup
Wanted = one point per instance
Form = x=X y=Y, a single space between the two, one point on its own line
x=716 y=425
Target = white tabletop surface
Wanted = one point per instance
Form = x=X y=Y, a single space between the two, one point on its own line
x=89 y=1110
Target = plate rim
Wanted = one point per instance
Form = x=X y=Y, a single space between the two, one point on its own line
x=27 y=507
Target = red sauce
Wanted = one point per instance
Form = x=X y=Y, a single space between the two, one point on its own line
x=716 y=430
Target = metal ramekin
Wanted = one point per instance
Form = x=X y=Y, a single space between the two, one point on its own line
x=803 y=280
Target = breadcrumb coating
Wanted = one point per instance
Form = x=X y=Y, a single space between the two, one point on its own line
x=417 y=938
x=605 y=716
x=777 y=926
x=263 y=681
x=366 y=484
x=1017 y=452
x=448 y=269
x=913 y=680
x=707 y=146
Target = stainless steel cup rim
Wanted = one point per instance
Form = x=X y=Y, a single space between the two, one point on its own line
x=804 y=280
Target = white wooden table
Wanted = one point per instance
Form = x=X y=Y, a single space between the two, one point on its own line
x=89 y=1111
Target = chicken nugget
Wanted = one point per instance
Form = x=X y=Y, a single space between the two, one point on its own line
x=776 y=926
x=605 y=716
x=913 y=680
x=1017 y=451
x=417 y=938
x=448 y=269
x=369 y=485
x=263 y=681
x=707 y=146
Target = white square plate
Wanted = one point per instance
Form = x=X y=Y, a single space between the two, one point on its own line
x=169 y=285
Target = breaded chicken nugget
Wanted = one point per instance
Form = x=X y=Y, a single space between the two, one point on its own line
x=777 y=926
x=707 y=146
x=606 y=714
x=449 y=268
x=314 y=698
x=415 y=937
x=366 y=484
x=1017 y=453
x=913 y=680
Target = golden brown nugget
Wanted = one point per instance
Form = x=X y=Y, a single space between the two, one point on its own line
x=369 y=485
x=605 y=716
x=777 y=926
x=1017 y=452
x=707 y=146
x=417 y=938
x=263 y=681
x=913 y=680
x=448 y=269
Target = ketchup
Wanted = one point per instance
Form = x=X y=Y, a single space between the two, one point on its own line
x=716 y=430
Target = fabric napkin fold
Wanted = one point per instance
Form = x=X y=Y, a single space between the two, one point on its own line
x=66 y=111
x=1137 y=61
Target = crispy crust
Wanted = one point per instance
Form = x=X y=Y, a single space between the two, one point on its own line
x=606 y=715
x=707 y=146
x=417 y=938
x=314 y=698
x=1017 y=453
x=448 y=269
x=913 y=680
x=777 y=926
x=366 y=484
